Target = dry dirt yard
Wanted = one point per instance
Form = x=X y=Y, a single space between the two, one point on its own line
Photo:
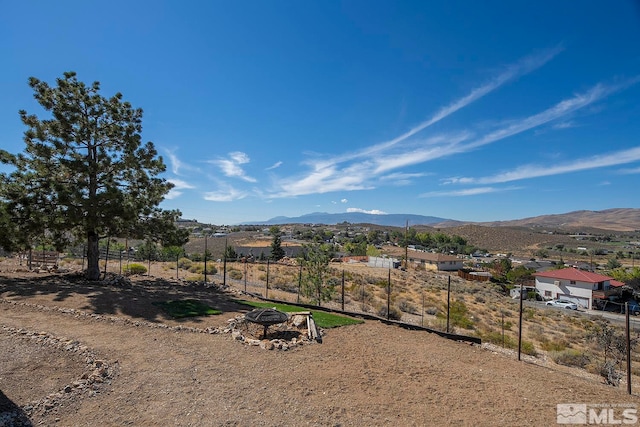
x=84 y=354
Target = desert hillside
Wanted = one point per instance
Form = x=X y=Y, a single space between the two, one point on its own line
x=624 y=220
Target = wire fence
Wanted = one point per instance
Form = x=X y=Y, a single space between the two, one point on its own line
x=285 y=282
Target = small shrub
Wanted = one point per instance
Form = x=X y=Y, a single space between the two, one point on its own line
x=538 y=332
x=394 y=313
x=495 y=337
x=527 y=347
x=407 y=307
x=196 y=268
x=360 y=295
x=184 y=263
x=381 y=284
x=458 y=314
x=569 y=357
x=610 y=373
x=555 y=346
x=235 y=275
x=133 y=269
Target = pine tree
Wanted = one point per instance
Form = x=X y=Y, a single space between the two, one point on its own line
x=277 y=253
x=85 y=172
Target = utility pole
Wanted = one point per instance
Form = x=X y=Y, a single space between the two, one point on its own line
x=406 y=247
x=300 y=283
x=389 y=296
x=205 y=258
x=628 y=339
x=343 y=290
x=266 y=285
x=520 y=325
x=245 y=275
x=224 y=264
x=448 y=302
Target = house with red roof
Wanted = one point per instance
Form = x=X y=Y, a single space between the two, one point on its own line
x=579 y=286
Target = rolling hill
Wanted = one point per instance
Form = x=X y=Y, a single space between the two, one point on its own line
x=621 y=219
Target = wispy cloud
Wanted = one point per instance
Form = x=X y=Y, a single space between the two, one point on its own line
x=558 y=111
x=630 y=171
x=467 y=192
x=335 y=174
x=565 y=125
x=371 y=212
x=327 y=177
x=326 y=180
x=225 y=193
x=430 y=151
x=176 y=165
x=178 y=186
x=231 y=166
x=175 y=162
x=536 y=171
x=401 y=178
x=274 y=166
x=511 y=72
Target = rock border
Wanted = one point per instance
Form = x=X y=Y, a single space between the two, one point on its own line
x=98 y=373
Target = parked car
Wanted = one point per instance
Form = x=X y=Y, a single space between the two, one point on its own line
x=563 y=303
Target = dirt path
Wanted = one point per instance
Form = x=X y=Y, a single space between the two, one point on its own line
x=362 y=375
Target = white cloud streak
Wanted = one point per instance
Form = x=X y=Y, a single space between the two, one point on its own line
x=371 y=212
x=274 y=166
x=225 y=193
x=231 y=168
x=524 y=66
x=536 y=171
x=176 y=165
x=558 y=111
x=175 y=162
x=467 y=192
x=178 y=186
x=630 y=171
x=327 y=175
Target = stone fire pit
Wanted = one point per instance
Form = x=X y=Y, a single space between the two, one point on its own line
x=266 y=317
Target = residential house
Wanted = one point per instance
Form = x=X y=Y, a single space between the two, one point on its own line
x=579 y=286
x=437 y=262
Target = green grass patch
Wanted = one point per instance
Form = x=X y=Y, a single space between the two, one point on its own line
x=322 y=318
x=186 y=308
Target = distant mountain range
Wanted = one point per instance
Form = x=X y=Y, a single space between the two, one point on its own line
x=392 y=220
x=623 y=219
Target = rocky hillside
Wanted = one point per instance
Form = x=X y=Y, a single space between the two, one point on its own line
x=516 y=240
x=625 y=220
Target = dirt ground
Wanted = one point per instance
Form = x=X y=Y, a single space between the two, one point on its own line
x=83 y=354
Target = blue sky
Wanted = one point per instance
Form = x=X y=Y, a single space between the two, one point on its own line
x=466 y=110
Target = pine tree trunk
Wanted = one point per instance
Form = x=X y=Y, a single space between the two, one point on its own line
x=93 y=255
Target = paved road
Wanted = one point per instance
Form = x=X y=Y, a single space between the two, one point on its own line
x=609 y=315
